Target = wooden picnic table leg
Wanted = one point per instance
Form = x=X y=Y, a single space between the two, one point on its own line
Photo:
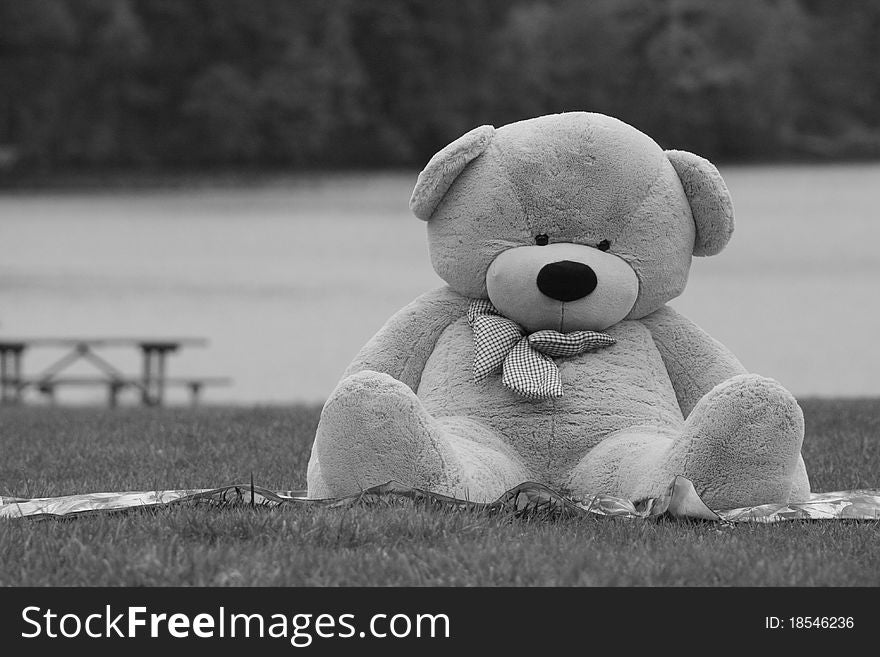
x=17 y=373
x=4 y=378
x=48 y=390
x=3 y=381
x=160 y=376
x=113 y=389
x=195 y=387
x=154 y=379
x=11 y=373
x=147 y=378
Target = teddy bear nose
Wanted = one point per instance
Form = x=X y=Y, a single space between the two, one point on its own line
x=566 y=280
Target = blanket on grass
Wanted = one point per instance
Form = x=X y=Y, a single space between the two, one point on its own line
x=680 y=500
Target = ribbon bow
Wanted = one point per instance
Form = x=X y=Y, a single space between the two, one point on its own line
x=527 y=360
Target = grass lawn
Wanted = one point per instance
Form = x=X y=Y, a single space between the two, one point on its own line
x=47 y=452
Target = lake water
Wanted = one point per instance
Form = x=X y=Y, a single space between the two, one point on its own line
x=289 y=278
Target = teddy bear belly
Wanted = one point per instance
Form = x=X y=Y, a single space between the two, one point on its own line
x=604 y=392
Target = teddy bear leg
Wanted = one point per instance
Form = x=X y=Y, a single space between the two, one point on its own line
x=800 y=484
x=741 y=445
x=624 y=465
x=488 y=467
x=374 y=429
x=317 y=486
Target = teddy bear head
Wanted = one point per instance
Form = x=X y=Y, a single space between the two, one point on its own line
x=571 y=221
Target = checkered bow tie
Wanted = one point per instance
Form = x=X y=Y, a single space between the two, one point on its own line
x=527 y=360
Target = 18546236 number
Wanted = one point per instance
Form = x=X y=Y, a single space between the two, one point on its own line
x=820 y=622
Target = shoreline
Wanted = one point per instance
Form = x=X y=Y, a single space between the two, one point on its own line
x=131 y=179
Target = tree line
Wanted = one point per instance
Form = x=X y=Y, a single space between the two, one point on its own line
x=179 y=84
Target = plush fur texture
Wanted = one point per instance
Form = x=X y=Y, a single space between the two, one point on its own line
x=666 y=399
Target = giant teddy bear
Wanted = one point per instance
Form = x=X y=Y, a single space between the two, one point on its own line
x=551 y=356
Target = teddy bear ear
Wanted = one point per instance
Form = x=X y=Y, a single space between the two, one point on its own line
x=709 y=199
x=434 y=181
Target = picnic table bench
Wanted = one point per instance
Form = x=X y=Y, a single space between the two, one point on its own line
x=152 y=382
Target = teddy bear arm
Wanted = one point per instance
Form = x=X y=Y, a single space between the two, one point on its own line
x=402 y=346
x=695 y=361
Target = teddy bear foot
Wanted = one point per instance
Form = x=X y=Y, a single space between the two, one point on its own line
x=741 y=445
x=374 y=429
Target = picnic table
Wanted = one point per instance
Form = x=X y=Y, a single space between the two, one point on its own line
x=151 y=383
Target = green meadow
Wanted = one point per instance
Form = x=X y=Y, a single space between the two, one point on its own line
x=58 y=451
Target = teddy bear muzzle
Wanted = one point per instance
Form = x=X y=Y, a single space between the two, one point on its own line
x=562 y=286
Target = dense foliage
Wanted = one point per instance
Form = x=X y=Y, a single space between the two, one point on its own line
x=376 y=83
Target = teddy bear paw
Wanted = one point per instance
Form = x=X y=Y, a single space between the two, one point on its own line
x=374 y=429
x=741 y=444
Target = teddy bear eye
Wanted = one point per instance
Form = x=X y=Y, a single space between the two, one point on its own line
x=542 y=239
x=604 y=245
